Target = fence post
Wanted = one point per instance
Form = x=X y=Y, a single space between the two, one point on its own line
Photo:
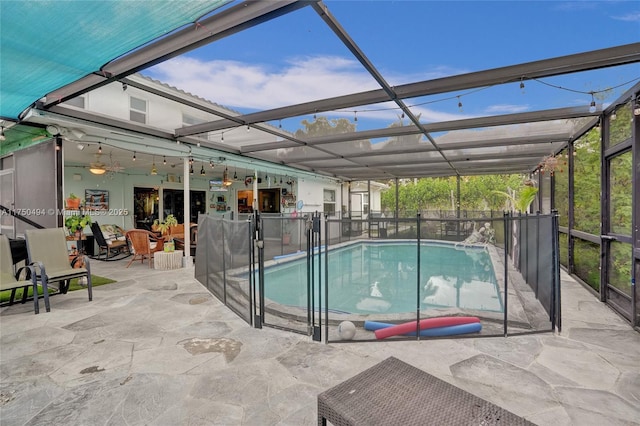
x=418 y=279
x=326 y=278
x=506 y=269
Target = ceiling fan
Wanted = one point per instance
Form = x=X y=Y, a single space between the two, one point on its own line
x=99 y=168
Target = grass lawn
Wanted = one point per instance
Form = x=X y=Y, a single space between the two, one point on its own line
x=95 y=282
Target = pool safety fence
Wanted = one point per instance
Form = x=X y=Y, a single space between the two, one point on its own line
x=336 y=279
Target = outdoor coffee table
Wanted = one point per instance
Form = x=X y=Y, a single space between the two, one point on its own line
x=395 y=393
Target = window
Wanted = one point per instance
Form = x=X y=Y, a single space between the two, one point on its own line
x=190 y=120
x=329 y=202
x=138 y=110
x=78 y=101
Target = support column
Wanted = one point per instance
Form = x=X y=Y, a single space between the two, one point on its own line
x=186 y=182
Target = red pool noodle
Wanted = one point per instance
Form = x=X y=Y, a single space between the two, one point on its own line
x=409 y=327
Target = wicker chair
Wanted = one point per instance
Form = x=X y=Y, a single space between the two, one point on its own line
x=143 y=245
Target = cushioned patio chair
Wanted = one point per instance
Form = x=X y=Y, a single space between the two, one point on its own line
x=12 y=281
x=49 y=255
x=109 y=248
x=143 y=245
x=193 y=240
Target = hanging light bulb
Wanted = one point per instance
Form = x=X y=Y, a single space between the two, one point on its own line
x=235 y=174
x=164 y=160
x=459 y=103
x=211 y=163
x=99 y=147
x=280 y=124
x=355 y=116
x=191 y=169
x=134 y=156
x=248 y=128
x=522 y=85
x=225 y=177
x=222 y=138
x=2 y=137
x=202 y=172
x=614 y=116
x=154 y=170
x=592 y=105
x=636 y=108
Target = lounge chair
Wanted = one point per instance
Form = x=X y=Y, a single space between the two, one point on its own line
x=49 y=255
x=12 y=281
x=143 y=245
x=109 y=248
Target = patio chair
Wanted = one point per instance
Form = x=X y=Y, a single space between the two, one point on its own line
x=109 y=248
x=12 y=281
x=193 y=241
x=49 y=255
x=143 y=245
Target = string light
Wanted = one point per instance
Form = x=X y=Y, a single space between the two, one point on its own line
x=164 y=160
x=614 y=116
x=222 y=138
x=355 y=116
x=248 y=128
x=459 y=103
x=202 y=172
x=522 y=85
x=592 y=105
x=99 y=147
x=280 y=124
x=190 y=168
x=134 y=156
x=211 y=163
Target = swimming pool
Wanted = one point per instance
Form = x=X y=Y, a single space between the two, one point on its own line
x=382 y=277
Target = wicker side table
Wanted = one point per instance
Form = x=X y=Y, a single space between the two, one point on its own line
x=393 y=392
x=167 y=260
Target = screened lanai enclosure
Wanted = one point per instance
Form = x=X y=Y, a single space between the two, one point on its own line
x=369 y=264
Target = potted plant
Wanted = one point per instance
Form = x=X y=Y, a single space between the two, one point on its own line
x=163 y=227
x=76 y=223
x=288 y=227
x=73 y=202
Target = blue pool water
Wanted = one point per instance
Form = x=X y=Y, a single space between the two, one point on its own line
x=373 y=277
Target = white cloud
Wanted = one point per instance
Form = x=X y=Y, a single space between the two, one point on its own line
x=506 y=109
x=242 y=85
x=250 y=86
x=629 y=17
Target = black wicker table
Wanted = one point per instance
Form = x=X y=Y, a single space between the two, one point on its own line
x=395 y=393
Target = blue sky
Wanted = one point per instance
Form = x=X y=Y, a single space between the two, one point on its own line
x=296 y=58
